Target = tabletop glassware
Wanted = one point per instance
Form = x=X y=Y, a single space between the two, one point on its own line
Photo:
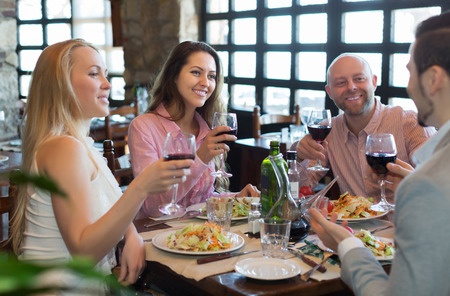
x=381 y=149
x=224 y=119
x=319 y=126
x=178 y=145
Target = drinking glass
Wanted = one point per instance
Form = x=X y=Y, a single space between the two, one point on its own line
x=381 y=149
x=224 y=119
x=178 y=145
x=304 y=114
x=319 y=126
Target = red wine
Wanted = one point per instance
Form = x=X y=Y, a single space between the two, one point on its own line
x=319 y=132
x=231 y=132
x=378 y=161
x=179 y=156
x=299 y=230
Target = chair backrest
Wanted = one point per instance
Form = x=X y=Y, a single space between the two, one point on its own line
x=118 y=131
x=270 y=119
x=120 y=166
x=6 y=212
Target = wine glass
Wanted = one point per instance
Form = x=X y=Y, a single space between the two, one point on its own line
x=227 y=119
x=319 y=126
x=178 y=145
x=304 y=114
x=381 y=149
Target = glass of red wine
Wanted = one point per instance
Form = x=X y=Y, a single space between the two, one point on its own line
x=178 y=145
x=381 y=149
x=224 y=119
x=319 y=126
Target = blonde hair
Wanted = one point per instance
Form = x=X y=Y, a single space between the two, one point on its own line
x=52 y=110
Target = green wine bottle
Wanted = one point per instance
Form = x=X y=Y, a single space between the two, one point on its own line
x=269 y=184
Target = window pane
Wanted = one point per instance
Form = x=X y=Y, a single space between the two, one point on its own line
x=359 y=0
x=244 y=31
x=224 y=57
x=118 y=88
x=405 y=103
x=277 y=100
x=312 y=34
x=399 y=76
x=94 y=33
x=312 y=66
x=309 y=99
x=405 y=22
x=312 y=2
x=31 y=35
x=115 y=60
x=58 y=9
x=216 y=6
x=278 y=29
x=243 y=96
x=58 y=32
x=29 y=9
x=244 y=64
x=28 y=59
x=240 y=5
x=24 y=84
x=363 y=27
x=278 y=3
x=90 y=9
x=278 y=65
x=217 y=32
x=375 y=61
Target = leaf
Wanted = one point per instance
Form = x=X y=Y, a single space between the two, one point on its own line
x=39 y=181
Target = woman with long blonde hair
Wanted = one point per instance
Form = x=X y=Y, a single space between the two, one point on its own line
x=69 y=87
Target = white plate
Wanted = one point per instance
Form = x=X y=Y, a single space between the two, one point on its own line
x=160 y=242
x=363 y=219
x=3 y=158
x=202 y=206
x=268 y=269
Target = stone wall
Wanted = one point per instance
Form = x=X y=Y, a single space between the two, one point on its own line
x=9 y=95
x=150 y=29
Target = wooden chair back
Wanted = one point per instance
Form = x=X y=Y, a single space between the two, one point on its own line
x=118 y=132
x=271 y=119
x=6 y=212
x=120 y=166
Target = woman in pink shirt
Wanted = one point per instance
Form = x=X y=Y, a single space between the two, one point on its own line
x=185 y=96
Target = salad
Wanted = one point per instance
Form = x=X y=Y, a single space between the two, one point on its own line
x=351 y=206
x=378 y=247
x=199 y=238
x=241 y=207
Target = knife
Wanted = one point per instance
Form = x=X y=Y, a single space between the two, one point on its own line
x=308 y=261
x=222 y=256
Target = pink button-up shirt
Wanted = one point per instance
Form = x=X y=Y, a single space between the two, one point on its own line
x=347 y=155
x=146 y=141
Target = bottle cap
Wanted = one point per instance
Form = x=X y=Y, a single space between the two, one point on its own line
x=291 y=155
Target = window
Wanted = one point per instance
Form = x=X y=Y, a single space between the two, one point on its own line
x=42 y=23
x=277 y=51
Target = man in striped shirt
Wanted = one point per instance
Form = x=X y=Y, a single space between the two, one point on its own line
x=351 y=85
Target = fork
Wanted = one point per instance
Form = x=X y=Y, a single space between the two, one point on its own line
x=307 y=275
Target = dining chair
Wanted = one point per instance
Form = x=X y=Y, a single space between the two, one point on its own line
x=118 y=131
x=120 y=166
x=6 y=210
x=266 y=120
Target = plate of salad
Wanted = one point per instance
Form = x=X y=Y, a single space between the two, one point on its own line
x=198 y=239
x=353 y=208
x=241 y=207
x=383 y=248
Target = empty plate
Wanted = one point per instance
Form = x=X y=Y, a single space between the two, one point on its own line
x=268 y=269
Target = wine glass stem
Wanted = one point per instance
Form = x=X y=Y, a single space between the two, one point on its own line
x=222 y=163
x=382 y=190
x=174 y=194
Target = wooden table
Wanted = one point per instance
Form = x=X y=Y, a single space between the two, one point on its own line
x=14 y=161
x=233 y=283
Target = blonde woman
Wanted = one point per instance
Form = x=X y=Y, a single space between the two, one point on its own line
x=69 y=87
x=184 y=97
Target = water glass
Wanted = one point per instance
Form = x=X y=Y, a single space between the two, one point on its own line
x=220 y=211
x=275 y=237
x=297 y=132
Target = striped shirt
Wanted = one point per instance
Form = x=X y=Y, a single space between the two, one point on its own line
x=346 y=151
